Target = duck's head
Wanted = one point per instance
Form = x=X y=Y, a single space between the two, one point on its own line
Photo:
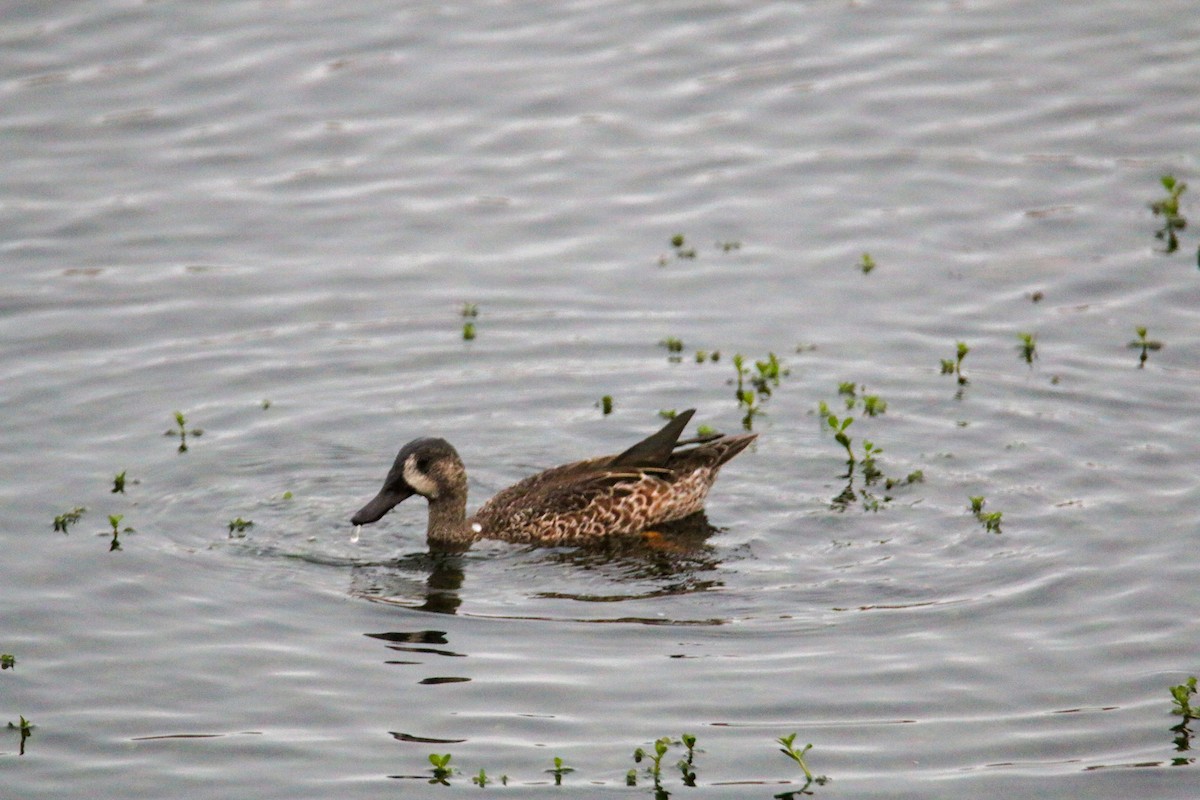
x=428 y=467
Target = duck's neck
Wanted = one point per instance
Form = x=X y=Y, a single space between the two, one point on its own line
x=448 y=528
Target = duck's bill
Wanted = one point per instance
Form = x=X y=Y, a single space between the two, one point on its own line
x=380 y=505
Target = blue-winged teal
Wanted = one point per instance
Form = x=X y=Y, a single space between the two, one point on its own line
x=656 y=481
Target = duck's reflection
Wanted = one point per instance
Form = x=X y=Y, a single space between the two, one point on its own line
x=675 y=558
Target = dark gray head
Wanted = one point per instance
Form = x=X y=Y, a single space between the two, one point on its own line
x=428 y=467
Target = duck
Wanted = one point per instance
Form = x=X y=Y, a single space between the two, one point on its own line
x=659 y=480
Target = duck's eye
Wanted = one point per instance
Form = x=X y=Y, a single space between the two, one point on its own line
x=422 y=465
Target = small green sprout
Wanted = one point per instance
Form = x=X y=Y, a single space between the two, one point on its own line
x=1144 y=344
x=668 y=413
x=119 y=483
x=873 y=405
x=68 y=518
x=729 y=246
x=470 y=310
x=287 y=495
x=954 y=366
x=681 y=251
x=115 y=521
x=916 y=476
x=789 y=750
x=686 y=764
x=606 y=404
x=631 y=777
x=769 y=372
x=441 y=768
x=707 y=432
x=560 y=769
x=674 y=348
x=866 y=263
x=181 y=430
x=839 y=434
x=990 y=520
x=1168 y=209
x=8 y=661
x=481 y=779
x=26 y=729
x=239 y=527
x=871 y=473
x=1028 y=346
x=1182 y=695
x=468 y=331
x=266 y=404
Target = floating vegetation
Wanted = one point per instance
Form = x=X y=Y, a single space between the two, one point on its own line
x=26 y=729
x=789 y=749
x=1028 y=347
x=990 y=520
x=181 y=430
x=115 y=521
x=441 y=768
x=605 y=404
x=707 y=432
x=1168 y=209
x=470 y=310
x=481 y=779
x=705 y=355
x=8 y=661
x=119 y=483
x=681 y=248
x=468 y=331
x=668 y=413
x=764 y=378
x=1144 y=344
x=866 y=264
x=238 y=526
x=68 y=518
x=558 y=771
x=729 y=246
x=953 y=366
x=1182 y=697
x=674 y=347
x=266 y=404
x=872 y=404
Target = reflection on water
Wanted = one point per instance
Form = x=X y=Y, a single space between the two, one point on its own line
x=675 y=559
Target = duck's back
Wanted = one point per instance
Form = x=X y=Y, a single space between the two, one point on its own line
x=622 y=494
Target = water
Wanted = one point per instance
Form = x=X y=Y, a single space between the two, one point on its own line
x=267 y=216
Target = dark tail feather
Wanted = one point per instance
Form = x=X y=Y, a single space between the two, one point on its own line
x=654 y=450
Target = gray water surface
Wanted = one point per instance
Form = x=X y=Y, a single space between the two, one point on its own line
x=268 y=217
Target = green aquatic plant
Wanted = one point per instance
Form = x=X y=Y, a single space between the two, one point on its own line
x=769 y=371
x=26 y=729
x=606 y=404
x=789 y=749
x=481 y=779
x=1028 y=346
x=687 y=763
x=681 y=249
x=1182 y=697
x=468 y=331
x=115 y=521
x=674 y=347
x=840 y=436
x=239 y=527
x=953 y=366
x=441 y=768
x=916 y=476
x=559 y=769
x=870 y=471
x=181 y=430
x=266 y=404
x=8 y=661
x=469 y=310
x=1144 y=344
x=990 y=520
x=668 y=413
x=68 y=518
x=866 y=263
x=705 y=355
x=707 y=432
x=119 y=483
x=1168 y=209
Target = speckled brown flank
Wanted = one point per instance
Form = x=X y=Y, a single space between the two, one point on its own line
x=657 y=481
